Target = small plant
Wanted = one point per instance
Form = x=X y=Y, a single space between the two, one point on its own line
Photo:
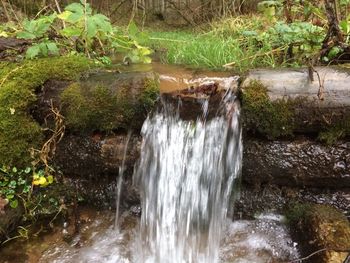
x=79 y=29
x=82 y=24
x=17 y=184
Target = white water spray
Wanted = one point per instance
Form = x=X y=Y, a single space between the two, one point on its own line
x=185 y=176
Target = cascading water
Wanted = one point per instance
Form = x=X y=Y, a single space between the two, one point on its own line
x=185 y=176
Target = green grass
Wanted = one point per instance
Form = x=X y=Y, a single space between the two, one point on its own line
x=241 y=43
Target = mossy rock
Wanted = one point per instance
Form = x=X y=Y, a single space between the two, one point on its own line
x=261 y=115
x=19 y=83
x=321 y=227
x=122 y=103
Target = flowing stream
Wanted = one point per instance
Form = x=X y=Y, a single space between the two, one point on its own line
x=185 y=175
x=188 y=177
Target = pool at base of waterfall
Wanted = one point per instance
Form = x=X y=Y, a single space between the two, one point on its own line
x=263 y=240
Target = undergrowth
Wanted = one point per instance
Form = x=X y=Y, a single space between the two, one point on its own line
x=241 y=43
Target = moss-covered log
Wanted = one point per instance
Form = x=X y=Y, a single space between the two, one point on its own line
x=19 y=85
x=280 y=103
x=108 y=101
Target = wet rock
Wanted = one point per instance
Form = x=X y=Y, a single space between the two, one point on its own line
x=311 y=106
x=301 y=163
x=91 y=165
x=9 y=220
x=275 y=199
x=321 y=228
x=95 y=156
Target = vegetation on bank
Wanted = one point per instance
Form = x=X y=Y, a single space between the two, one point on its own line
x=78 y=29
x=24 y=161
x=240 y=43
x=280 y=36
x=59 y=46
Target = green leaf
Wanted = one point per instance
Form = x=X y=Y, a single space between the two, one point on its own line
x=71 y=31
x=91 y=28
x=103 y=23
x=25 y=35
x=50 y=179
x=14 y=170
x=133 y=30
x=334 y=52
x=12 y=184
x=32 y=52
x=64 y=15
x=43 y=49
x=27 y=170
x=75 y=8
x=26 y=189
x=14 y=203
x=52 y=48
x=10 y=196
x=345 y=26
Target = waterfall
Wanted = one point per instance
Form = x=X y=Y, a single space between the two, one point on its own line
x=186 y=175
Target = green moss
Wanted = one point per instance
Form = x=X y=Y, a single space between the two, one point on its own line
x=18 y=84
x=150 y=93
x=89 y=108
x=323 y=224
x=335 y=132
x=296 y=212
x=270 y=118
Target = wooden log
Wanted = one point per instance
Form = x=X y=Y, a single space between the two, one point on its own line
x=297 y=163
x=284 y=102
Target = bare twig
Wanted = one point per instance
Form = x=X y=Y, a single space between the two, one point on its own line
x=59 y=11
x=49 y=147
x=5 y=10
x=13 y=11
x=299 y=260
